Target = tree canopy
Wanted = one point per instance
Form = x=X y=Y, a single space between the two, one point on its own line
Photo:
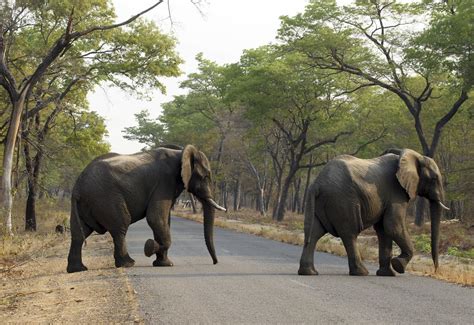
x=354 y=79
x=52 y=53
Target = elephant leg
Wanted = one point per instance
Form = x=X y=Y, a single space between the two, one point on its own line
x=385 y=251
x=121 y=256
x=395 y=227
x=120 y=218
x=158 y=217
x=403 y=241
x=355 y=262
x=79 y=232
x=312 y=234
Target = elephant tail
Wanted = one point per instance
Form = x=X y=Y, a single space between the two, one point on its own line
x=77 y=232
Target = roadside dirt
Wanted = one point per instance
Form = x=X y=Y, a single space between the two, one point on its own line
x=40 y=290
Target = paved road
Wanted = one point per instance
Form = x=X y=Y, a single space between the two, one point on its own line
x=255 y=281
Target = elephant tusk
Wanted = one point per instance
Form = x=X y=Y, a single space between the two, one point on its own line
x=443 y=206
x=215 y=205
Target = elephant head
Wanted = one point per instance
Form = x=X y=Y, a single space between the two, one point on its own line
x=196 y=176
x=419 y=175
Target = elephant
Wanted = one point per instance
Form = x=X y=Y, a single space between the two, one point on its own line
x=114 y=191
x=352 y=194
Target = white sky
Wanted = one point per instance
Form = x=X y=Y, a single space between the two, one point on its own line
x=226 y=29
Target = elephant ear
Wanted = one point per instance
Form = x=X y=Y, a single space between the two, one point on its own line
x=187 y=164
x=408 y=171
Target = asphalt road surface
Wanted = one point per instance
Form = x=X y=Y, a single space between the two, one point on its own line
x=255 y=282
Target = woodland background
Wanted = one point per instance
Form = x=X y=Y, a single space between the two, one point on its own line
x=353 y=80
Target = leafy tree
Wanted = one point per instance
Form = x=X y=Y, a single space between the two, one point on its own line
x=78 y=138
x=356 y=79
x=304 y=110
x=48 y=45
x=148 y=131
x=378 y=44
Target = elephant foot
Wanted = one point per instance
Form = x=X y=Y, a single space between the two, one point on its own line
x=307 y=271
x=361 y=271
x=385 y=272
x=399 y=264
x=166 y=262
x=151 y=247
x=124 y=262
x=71 y=268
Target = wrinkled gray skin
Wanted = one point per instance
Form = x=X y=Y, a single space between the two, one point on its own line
x=351 y=194
x=115 y=191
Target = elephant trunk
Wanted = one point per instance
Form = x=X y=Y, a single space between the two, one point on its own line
x=435 y=211
x=209 y=212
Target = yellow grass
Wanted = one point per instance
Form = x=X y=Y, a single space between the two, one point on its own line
x=36 y=288
x=26 y=245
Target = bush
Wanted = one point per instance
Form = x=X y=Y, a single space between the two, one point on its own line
x=423 y=243
x=455 y=251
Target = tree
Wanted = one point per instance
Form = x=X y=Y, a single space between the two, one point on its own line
x=335 y=70
x=69 y=32
x=56 y=151
x=302 y=108
x=379 y=45
x=148 y=131
x=208 y=89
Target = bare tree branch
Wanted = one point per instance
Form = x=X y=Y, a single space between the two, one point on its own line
x=327 y=141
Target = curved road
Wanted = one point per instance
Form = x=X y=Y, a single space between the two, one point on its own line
x=255 y=281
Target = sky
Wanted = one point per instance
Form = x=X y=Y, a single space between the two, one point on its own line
x=220 y=29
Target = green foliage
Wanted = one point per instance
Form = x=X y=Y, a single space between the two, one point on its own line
x=148 y=131
x=382 y=70
x=56 y=123
x=446 y=44
x=139 y=55
x=75 y=141
x=455 y=251
x=423 y=243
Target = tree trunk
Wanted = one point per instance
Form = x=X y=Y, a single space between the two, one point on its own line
x=219 y=158
x=6 y=194
x=420 y=211
x=30 y=213
x=281 y=204
x=268 y=195
x=261 y=201
x=224 y=194
x=308 y=178
x=296 y=198
x=278 y=196
x=237 y=191
x=280 y=209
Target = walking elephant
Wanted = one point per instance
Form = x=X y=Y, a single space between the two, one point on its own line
x=115 y=191
x=351 y=194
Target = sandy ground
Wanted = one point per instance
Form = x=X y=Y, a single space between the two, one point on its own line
x=40 y=291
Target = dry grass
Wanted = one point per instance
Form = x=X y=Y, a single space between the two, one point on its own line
x=452 y=269
x=26 y=245
x=40 y=291
x=449 y=270
x=36 y=287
